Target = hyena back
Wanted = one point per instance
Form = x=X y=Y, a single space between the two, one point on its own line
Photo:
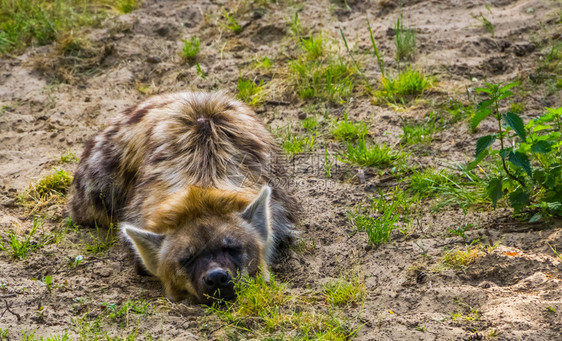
x=187 y=176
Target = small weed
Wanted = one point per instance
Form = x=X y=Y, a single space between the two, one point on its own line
x=382 y=217
x=459 y=111
x=4 y=333
x=555 y=252
x=190 y=49
x=250 y=92
x=471 y=313
x=313 y=46
x=344 y=130
x=428 y=182
x=139 y=307
x=310 y=124
x=344 y=291
x=461 y=259
x=488 y=26
x=21 y=248
x=551 y=310
x=422 y=132
x=329 y=162
x=460 y=230
x=68 y=157
x=332 y=81
x=294 y=144
x=55 y=184
x=200 y=72
x=263 y=63
x=408 y=85
x=380 y=57
x=517 y=107
x=371 y=156
x=231 y=23
x=101 y=241
x=404 y=40
x=73 y=262
x=295 y=25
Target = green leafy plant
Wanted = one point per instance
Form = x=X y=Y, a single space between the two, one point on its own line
x=530 y=155
x=190 y=48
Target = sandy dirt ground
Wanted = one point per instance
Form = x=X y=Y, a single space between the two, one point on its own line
x=52 y=105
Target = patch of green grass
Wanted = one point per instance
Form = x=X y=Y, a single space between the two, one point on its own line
x=345 y=130
x=263 y=63
x=54 y=184
x=68 y=157
x=314 y=46
x=231 y=23
x=382 y=217
x=265 y=310
x=344 y=291
x=404 y=40
x=20 y=247
x=462 y=258
x=139 y=307
x=421 y=132
x=428 y=182
x=459 y=111
x=408 y=85
x=28 y=22
x=310 y=124
x=464 y=189
x=294 y=144
x=190 y=49
x=251 y=93
x=331 y=80
x=374 y=155
x=101 y=241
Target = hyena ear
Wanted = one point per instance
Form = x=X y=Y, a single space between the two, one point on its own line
x=146 y=244
x=258 y=213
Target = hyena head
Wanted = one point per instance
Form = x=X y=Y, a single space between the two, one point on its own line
x=199 y=242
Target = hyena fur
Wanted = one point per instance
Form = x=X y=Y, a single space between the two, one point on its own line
x=187 y=177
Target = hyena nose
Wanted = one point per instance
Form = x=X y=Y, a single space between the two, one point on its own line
x=217 y=279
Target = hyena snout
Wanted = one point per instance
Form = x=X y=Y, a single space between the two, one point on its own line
x=218 y=284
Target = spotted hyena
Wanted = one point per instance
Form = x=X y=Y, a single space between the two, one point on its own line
x=187 y=178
